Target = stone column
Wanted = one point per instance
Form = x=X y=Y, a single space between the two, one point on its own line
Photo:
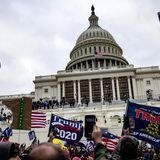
x=120 y=65
x=118 y=93
x=63 y=89
x=79 y=92
x=81 y=66
x=76 y=66
x=115 y=63
x=41 y=91
x=74 y=90
x=110 y=63
x=102 y=94
x=129 y=88
x=59 y=91
x=104 y=65
x=90 y=91
x=93 y=64
x=87 y=65
x=113 y=89
x=134 y=88
x=99 y=65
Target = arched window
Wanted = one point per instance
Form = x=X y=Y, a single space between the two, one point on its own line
x=90 y=50
x=97 y=34
x=104 y=48
x=112 y=50
x=93 y=34
x=99 y=48
x=108 y=49
x=85 y=50
x=116 y=51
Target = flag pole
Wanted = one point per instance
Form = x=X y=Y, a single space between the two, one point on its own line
x=2 y=139
x=19 y=136
x=158 y=15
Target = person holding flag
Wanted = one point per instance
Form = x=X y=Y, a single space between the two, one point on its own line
x=126 y=149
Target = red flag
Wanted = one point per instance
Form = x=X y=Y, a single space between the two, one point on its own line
x=98 y=55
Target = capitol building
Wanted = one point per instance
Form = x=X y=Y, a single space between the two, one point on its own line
x=98 y=72
x=99 y=76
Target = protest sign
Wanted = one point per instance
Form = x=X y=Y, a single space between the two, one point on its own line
x=67 y=130
x=144 y=122
x=31 y=135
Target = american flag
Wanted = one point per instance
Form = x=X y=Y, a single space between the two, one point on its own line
x=38 y=120
x=110 y=140
x=98 y=54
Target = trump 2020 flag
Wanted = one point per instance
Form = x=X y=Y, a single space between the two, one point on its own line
x=144 y=122
x=67 y=130
x=31 y=135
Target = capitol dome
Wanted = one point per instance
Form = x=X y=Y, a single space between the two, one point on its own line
x=95 y=32
x=95 y=48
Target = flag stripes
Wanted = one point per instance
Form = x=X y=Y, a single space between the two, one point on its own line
x=38 y=120
x=110 y=139
x=110 y=143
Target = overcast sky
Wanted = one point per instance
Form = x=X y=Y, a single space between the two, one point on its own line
x=36 y=36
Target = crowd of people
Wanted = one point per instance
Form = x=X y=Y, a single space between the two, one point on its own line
x=54 y=103
x=128 y=148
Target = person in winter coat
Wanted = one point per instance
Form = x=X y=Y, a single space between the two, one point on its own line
x=126 y=149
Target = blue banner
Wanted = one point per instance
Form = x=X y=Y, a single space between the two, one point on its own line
x=67 y=130
x=7 y=132
x=31 y=135
x=144 y=122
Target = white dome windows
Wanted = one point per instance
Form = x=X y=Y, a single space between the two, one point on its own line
x=104 y=49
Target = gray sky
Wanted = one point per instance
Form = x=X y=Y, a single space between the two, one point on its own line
x=36 y=36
